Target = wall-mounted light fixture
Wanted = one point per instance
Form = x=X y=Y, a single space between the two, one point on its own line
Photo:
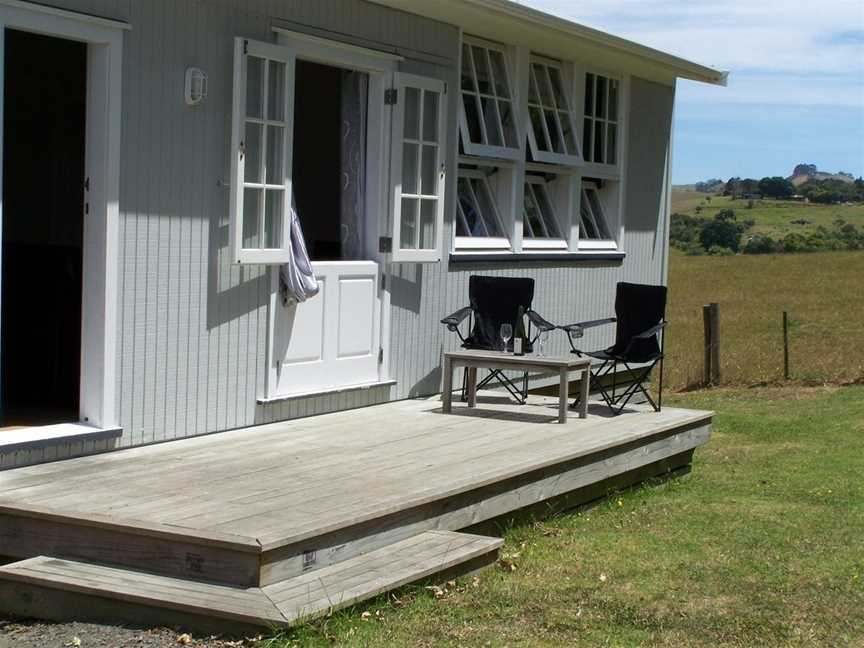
x=196 y=86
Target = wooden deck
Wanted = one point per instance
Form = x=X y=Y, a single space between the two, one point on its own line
x=263 y=506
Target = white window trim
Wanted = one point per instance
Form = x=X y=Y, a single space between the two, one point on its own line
x=544 y=243
x=488 y=150
x=244 y=48
x=336 y=53
x=550 y=157
x=500 y=243
x=401 y=82
x=602 y=169
x=594 y=244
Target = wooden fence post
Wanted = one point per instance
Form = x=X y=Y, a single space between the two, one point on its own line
x=706 y=362
x=711 y=324
x=785 y=345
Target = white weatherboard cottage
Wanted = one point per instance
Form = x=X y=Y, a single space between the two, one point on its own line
x=152 y=151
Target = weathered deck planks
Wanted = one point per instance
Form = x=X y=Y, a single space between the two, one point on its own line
x=295 y=479
x=289 y=520
x=44 y=586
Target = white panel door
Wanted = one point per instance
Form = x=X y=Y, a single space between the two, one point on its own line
x=332 y=340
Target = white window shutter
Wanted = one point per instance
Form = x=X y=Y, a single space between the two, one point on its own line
x=261 y=152
x=418 y=170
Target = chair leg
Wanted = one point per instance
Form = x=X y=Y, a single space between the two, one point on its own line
x=617 y=401
x=508 y=384
x=595 y=384
x=637 y=378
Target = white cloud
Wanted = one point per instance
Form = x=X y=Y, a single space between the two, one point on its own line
x=794 y=52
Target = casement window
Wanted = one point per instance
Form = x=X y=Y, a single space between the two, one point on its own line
x=594 y=225
x=488 y=112
x=552 y=133
x=601 y=121
x=541 y=226
x=262 y=138
x=478 y=222
x=418 y=172
x=262 y=157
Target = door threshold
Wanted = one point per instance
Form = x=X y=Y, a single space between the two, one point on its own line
x=326 y=392
x=29 y=438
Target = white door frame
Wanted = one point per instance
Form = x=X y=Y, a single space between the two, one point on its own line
x=380 y=67
x=104 y=39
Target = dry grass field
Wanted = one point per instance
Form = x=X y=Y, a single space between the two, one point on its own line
x=823 y=292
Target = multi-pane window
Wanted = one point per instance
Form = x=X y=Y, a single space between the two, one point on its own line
x=262 y=141
x=594 y=226
x=539 y=220
x=552 y=135
x=418 y=168
x=478 y=223
x=476 y=211
x=600 y=128
x=488 y=118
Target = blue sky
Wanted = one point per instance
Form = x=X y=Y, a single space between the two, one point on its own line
x=796 y=90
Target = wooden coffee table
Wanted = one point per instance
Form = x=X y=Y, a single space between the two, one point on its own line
x=474 y=360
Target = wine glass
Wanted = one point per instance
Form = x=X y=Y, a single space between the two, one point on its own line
x=506 y=334
x=544 y=338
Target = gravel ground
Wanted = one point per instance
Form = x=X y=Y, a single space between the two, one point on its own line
x=36 y=634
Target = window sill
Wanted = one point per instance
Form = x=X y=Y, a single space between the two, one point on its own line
x=540 y=255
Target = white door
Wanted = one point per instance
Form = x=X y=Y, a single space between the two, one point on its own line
x=332 y=340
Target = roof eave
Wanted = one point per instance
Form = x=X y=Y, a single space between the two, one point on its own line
x=680 y=67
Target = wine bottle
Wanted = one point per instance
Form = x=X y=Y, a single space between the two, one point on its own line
x=519 y=337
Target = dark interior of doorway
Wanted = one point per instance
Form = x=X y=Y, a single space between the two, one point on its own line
x=317 y=153
x=44 y=129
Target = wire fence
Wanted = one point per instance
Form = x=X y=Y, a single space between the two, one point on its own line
x=822 y=293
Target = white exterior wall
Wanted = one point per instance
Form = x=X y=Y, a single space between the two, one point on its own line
x=192 y=326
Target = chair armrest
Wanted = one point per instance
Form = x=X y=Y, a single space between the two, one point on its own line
x=453 y=321
x=654 y=330
x=577 y=330
x=540 y=322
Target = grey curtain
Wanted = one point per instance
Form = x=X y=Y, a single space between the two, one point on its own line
x=355 y=93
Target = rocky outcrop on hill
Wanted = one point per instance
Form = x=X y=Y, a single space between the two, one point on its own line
x=806 y=172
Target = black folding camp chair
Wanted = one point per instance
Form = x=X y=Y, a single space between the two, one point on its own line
x=495 y=301
x=625 y=367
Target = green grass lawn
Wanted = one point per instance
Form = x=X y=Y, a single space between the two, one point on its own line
x=762 y=545
x=773 y=217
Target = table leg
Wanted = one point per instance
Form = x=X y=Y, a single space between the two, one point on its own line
x=584 y=391
x=472 y=386
x=563 y=393
x=447 y=389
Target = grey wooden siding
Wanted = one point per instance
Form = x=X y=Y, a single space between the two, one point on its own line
x=192 y=327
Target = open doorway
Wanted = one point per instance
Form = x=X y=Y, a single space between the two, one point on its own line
x=329 y=170
x=45 y=100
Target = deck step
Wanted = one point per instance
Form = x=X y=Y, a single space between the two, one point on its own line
x=59 y=589
x=27 y=446
x=363 y=577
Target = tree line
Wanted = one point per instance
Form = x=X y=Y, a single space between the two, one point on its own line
x=827 y=191
x=725 y=234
